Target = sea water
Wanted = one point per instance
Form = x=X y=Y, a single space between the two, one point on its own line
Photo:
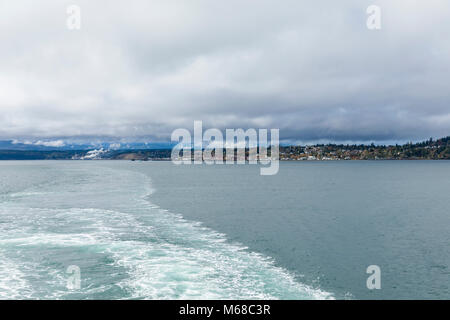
x=153 y=230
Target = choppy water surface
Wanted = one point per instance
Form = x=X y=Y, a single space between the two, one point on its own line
x=100 y=218
x=144 y=230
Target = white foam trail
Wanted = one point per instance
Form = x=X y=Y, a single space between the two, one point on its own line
x=13 y=284
x=163 y=255
x=204 y=266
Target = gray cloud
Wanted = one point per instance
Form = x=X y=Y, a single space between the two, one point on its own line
x=142 y=68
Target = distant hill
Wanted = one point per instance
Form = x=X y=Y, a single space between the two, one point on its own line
x=426 y=150
x=62 y=145
x=39 y=155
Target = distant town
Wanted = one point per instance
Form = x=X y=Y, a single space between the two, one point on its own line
x=427 y=150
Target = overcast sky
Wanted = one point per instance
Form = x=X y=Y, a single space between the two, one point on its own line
x=143 y=68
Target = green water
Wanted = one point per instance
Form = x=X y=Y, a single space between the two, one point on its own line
x=152 y=230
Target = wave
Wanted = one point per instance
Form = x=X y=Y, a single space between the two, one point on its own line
x=13 y=284
x=130 y=249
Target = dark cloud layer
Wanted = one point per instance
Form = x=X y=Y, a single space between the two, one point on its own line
x=143 y=68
